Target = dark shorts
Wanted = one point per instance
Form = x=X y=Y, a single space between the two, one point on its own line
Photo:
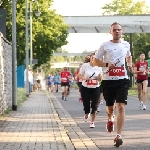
x=56 y=83
x=49 y=83
x=101 y=89
x=140 y=81
x=79 y=85
x=115 y=90
x=64 y=84
x=148 y=81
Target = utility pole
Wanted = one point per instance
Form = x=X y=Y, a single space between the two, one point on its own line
x=14 y=62
x=27 y=51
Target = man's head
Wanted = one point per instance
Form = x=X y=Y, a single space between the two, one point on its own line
x=65 y=69
x=116 y=31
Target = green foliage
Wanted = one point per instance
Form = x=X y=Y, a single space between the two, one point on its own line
x=125 y=7
x=49 y=30
x=21 y=95
x=7 y=111
x=140 y=42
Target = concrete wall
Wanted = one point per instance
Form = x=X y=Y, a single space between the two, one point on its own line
x=5 y=74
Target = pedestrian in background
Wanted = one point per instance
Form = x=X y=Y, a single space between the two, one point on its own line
x=141 y=71
x=50 y=82
x=64 y=78
x=56 y=81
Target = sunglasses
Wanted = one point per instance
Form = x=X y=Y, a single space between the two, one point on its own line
x=114 y=30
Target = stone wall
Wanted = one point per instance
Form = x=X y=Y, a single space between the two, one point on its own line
x=5 y=74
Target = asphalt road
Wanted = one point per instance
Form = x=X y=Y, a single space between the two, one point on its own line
x=136 y=133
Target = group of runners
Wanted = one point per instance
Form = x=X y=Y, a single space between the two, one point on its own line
x=64 y=78
x=104 y=75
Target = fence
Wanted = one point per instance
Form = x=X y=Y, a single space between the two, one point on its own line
x=5 y=74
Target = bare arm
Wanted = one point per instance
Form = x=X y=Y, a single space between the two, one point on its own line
x=82 y=77
x=98 y=63
x=129 y=61
x=136 y=71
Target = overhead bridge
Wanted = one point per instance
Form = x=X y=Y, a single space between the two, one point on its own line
x=65 y=64
x=71 y=54
x=101 y=24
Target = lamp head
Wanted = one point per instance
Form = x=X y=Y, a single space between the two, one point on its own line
x=37 y=13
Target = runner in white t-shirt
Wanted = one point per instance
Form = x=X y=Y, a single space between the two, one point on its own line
x=112 y=55
x=90 y=90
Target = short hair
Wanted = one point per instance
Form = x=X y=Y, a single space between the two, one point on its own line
x=115 y=23
x=141 y=53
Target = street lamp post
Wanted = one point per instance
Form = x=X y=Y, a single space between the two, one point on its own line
x=27 y=51
x=31 y=52
x=37 y=13
x=14 y=62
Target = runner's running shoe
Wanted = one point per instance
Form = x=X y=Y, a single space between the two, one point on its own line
x=86 y=116
x=118 y=141
x=98 y=109
x=92 y=125
x=62 y=97
x=110 y=126
x=144 y=107
x=65 y=99
x=101 y=102
x=80 y=100
x=141 y=105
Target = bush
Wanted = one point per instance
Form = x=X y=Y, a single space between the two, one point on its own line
x=21 y=95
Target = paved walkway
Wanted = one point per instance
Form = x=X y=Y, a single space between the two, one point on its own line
x=45 y=122
x=35 y=125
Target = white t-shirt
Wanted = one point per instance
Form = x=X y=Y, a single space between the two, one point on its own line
x=86 y=70
x=111 y=52
x=30 y=77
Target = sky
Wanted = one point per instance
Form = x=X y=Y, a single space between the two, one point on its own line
x=79 y=42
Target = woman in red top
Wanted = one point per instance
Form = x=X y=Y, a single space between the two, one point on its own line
x=141 y=70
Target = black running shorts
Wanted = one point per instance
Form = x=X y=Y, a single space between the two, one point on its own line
x=101 y=90
x=148 y=81
x=140 y=81
x=65 y=84
x=115 y=90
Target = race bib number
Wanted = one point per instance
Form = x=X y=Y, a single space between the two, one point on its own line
x=64 y=80
x=143 y=69
x=92 y=83
x=117 y=71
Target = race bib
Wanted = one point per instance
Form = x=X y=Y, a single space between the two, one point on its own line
x=92 y=83
x=143 y=69
x=117 y=71
x=64 y=80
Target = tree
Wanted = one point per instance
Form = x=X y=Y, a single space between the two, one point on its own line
x=122 y=7
x=49 y=30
